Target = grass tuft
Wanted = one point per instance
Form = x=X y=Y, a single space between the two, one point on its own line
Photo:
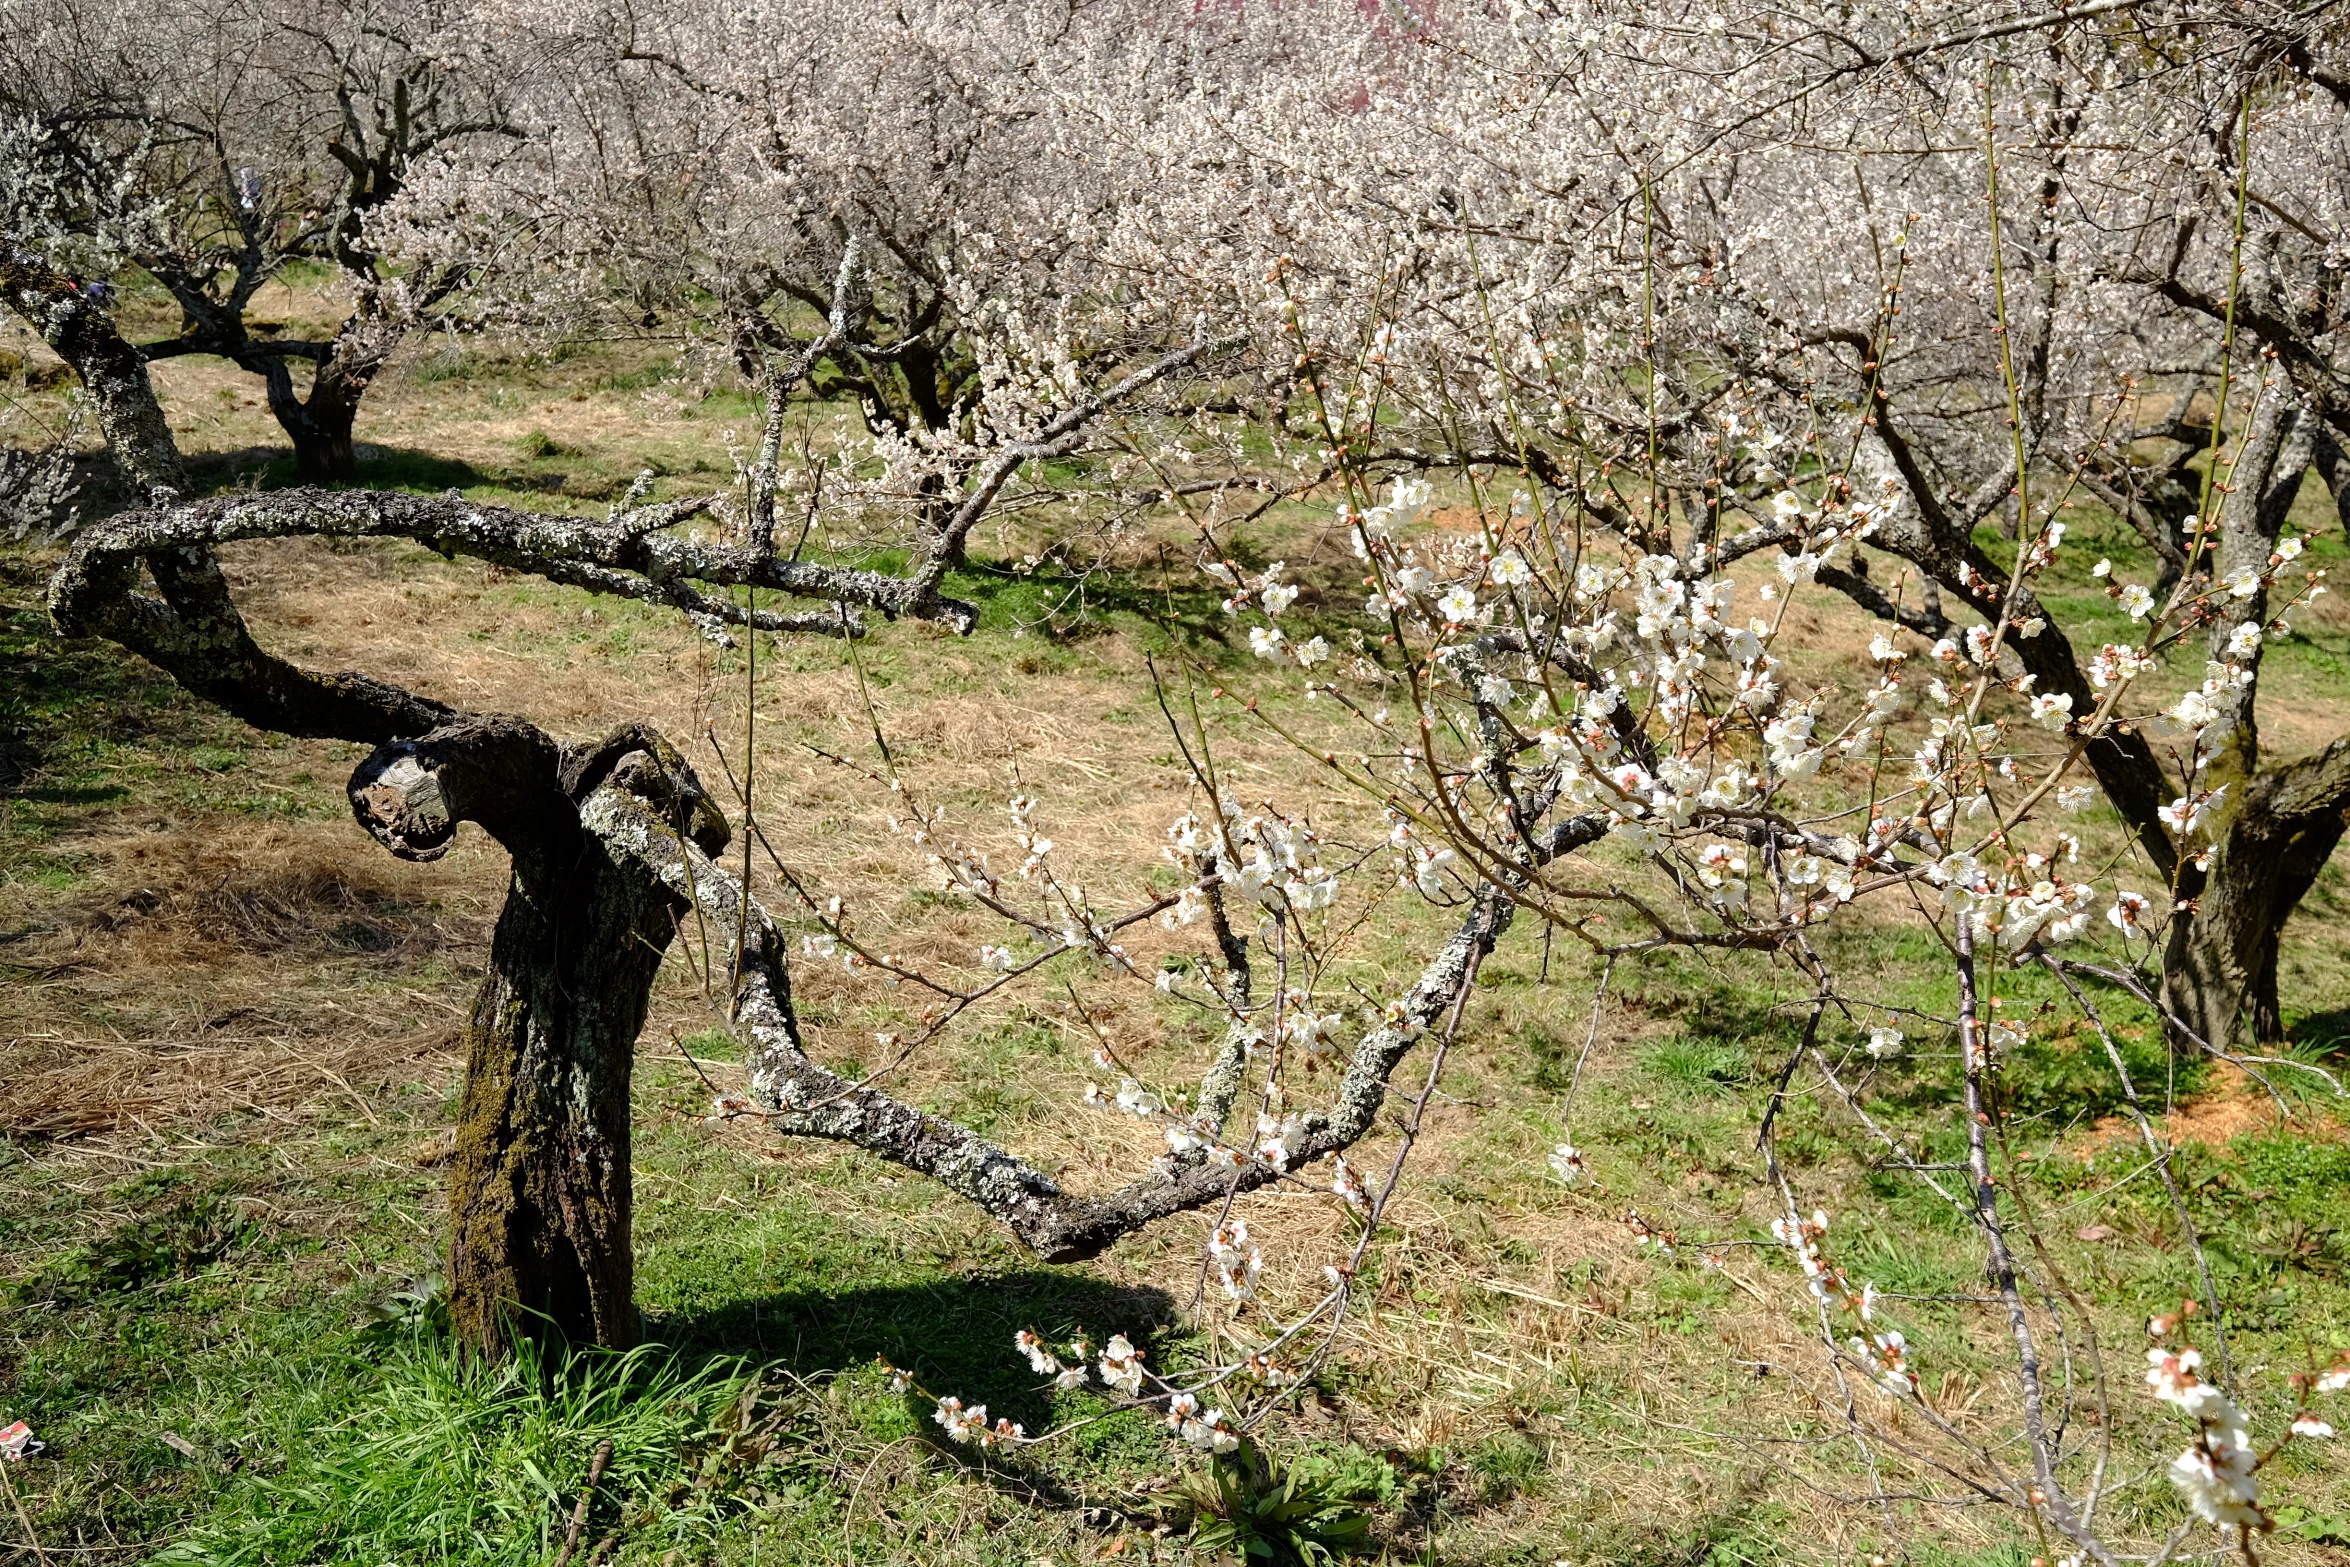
x=438 y=1458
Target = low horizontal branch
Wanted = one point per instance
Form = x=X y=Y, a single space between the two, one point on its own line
x=634 y=545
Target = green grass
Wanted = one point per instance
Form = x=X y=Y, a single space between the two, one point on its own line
x=419 y=1454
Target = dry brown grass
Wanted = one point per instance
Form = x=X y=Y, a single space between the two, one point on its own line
x=199 y=974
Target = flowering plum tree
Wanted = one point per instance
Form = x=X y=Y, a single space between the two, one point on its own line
x=863 y=207
x=211 y=146
x=1876 y=301
x=612 y=842
x=1578 y=318
x=1680 y=271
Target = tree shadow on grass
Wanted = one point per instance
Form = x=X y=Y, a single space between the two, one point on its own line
x=954 y=1334
x=380 y=468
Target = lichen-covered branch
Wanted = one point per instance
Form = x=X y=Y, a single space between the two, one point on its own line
x=801 y=1098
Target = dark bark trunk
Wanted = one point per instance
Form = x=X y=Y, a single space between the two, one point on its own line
x=2220 y=973
x=539 y=1205
x=319 y=425
x=326 y=456
x=539 y=1188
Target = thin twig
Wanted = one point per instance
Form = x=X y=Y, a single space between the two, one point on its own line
x=587 y=1496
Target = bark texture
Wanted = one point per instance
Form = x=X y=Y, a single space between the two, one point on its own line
x=539 y=1188
x=77 y=328
x=2220 y=973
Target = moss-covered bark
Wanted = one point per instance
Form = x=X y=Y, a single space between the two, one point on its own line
x=539 y=1207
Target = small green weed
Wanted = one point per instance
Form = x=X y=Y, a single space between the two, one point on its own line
x=191 y=1235
x=1303 y=1513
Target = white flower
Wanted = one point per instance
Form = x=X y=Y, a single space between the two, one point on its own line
x=1000 y=959
x=1311 y=652
x=1040 y=1359
x=2076 y=798
x=2244 y=639
x=1458 y=605
x=1349 y=1186
x=1885 y=1042
x=1887 y=1355
x=2137 y=601
x=1121 y=1366
x=1211 y=1432
x=2175 y=1377
x=2306 y=1424
x=1238 y=1264
x=1428 y=871
x=1265 y=641
x=2216 y=1475
x=1277 y=597
x=2195 y=710
x=962 y=1425
x=1496 y=690
x=2052 y=712
x=1566 y=1162
x=2186 y=813
x=1801 y=567
x=2243 y=582
x=1510 y=570
x=2128 y=914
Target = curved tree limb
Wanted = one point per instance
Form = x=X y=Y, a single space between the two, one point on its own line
x=798 y=1097
x=197 y=634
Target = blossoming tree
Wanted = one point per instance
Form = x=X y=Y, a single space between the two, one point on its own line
x=1522 y=299
x=211 y=147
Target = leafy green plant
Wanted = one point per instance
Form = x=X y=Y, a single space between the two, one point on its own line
x=180 y=1242
x=419 y=1305
x=1246 y=1504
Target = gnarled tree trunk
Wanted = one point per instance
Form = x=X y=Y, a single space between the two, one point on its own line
x=321 y=423
x=539 y=1200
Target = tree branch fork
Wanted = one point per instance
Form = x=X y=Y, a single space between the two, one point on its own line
x=630 y=805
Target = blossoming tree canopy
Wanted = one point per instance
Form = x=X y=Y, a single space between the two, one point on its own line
x=1708 y=411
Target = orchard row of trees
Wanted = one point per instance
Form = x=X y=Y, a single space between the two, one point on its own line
x=1696 y=310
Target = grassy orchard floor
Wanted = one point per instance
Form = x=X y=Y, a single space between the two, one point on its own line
x=228 y=1075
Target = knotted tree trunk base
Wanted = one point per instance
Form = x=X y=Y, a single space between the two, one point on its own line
x=539 y=1189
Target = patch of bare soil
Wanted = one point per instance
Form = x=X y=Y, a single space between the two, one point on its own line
x=2234 y=1106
